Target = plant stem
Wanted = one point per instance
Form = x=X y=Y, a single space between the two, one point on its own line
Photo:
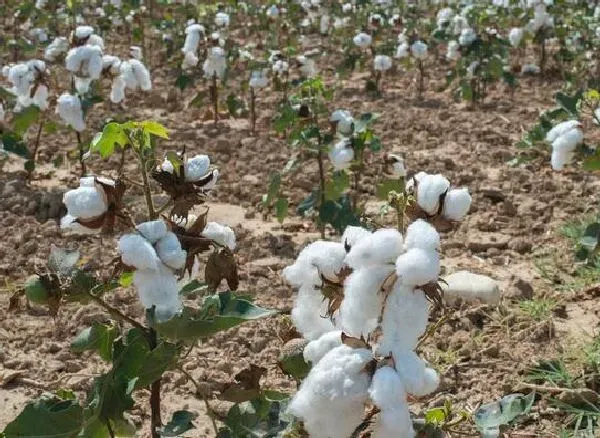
x=37 y=143
x=215 y=97
x=116 y=312
x=122 y=161
x=542 y=50
x=421 y=86
x=110 y=430
x=203 y=395
x=253 y=109
x=147 y=191
x=155 y=420
x=81 y=153
x=321 y=189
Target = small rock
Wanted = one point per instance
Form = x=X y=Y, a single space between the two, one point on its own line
x=464 y=285
x=521 y=289
x=486 y=241
x=521 y=245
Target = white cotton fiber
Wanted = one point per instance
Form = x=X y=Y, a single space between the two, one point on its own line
x=352 y=235
x=169 y=251
x=69 y=109
x=456 y=204
x=158 y=288
x=417 y=267
x=141 y=73
x=394 y=423
x=421 y=234
x=117 y=90
x=361 y=307
x=315 y=350
x=192 y=37
x=152 y=230
x=404 y=319
x=429 y=190
x=85 y=202
x=331 y=400
x=70 y=222
x=561 y=129
x=387 y=391
x=196 y=168
x=308 y=313
x=222 y=234
x=418 y=379
x=318 y=258
x=138 y=252
x=381 y=247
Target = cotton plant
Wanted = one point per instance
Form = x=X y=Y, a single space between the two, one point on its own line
x=158 y=259
x=363 y=306
x=214 y=68
x=413 y=52
x=258 y=81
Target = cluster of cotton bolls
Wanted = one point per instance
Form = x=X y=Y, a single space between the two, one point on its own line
x=195 y=170
x=86 y=203
x=155 y=253
x=258 y=79
x=564 y=137
x=131 y=74
x=194 y=34
x=331 y=400
x=341 y=153
x=27 y=83
x=434 y=196
x=417 y=49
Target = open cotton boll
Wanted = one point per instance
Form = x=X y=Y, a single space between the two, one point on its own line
x=193 y=34
x=567 y=137
x=453 y=52
x=429 y=190
x=136 y=52
x=69 y=109
x=381 y=247
x=222 y=19
x=456 y=204
x=169 y=251
x=352 y=235
x=258 y=79
x=85 y=61
x=117 y=89
x=86 y=202
x=360 y=309
x=82 y=85
x=331 y=399
x=215 y=63
x=57 y=47
x=561 y=129
x=21 y=77
x=418 y=267
x=404 y=319
x=344 y=121
x=71 y=223
x=138 y=252
x=308 y=313
x=419 y=49
x=470 y=287
x=196 y=168
x=82 y=32
x=515 y=36
x=158 y=288
x=222 y=234
x=40 y=98
x=95 y=40
x=402 y=51
x=190 y=60
x=467 y=37
x=341 y=155
x=419 y=380
x=394 y=423
x=315 y=350
x=142 y=75
x=362 y=40
x=382 y=63
x=152 y=231
x=111 y=63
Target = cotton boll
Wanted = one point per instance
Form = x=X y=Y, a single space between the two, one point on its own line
x=456 y=204
x=352 y=235
x=193 y=34
x=83 y=32
x=152 y=231
x=429 y=190
x=362 y=40
x=361 y=307
x=95 y=40
x=417 y=267
x=71 y=223
x=82 y=85
x=117 y=90
x=85 y=202
x=381 y=247
x=40 y=98
x=343 y=120
x=69 y=109
x=467 y=37
x=169 y=251
x=387 y=391
x=394 y=423
x=382 y=63
x=190 y=60
x=142 y=75
x=280 y=67
x=402 y=51
x=85 y=61
x=419 y=49
x=315 y=350
x=196 y=168
x=308 y=313
x=215 y=63
x=404 y=319
x=158 y=288
x=341 y=155
x=515 y=36
x=561 y=129
x=258 y=79
x=138 y=252
x=331 y=399
x=221 y=234
x=56 y=48
x=565 y=138
x=222 y=19
x=418 y=379
x=453 y=52
x=136 y=52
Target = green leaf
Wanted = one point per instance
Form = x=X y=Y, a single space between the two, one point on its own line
x=490 y=416
x=308 y=203
x=24 y=119
x=14 y=144
x=154 y=128
x=218 y=312
x=435 y=416
x=183 y=81
x=389 y=185
x=99 y=337
x=592 y=163
x=375 y=144
x=126 y=279
x=198 y=100
x=29 y=166
x=336 y=185
x=104 y=142
x=495 y=67
x=193 y=287
x=569 y=103
x=180 y=423
x=176 y=161
x=466 y=91
x=48 y=417
x=291 y=359
x=281 y=208
x=274 y=186
x=338 y=213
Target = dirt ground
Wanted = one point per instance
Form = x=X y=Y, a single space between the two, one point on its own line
x=511 y=233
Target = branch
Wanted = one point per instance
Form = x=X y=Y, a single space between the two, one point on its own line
x=116 y=312
x=203 y=395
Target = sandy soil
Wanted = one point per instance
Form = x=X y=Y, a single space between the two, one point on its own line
x=482 y=353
